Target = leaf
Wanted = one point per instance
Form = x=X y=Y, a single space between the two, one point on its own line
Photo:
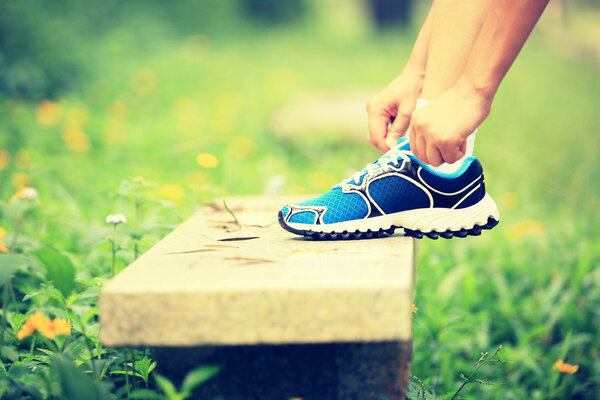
x=60 y=269
x=144 y=367
x=198 y=376
x=74 y=384
x=144 y=394
x=16 y=320
x=166 y=386
x=9 y=263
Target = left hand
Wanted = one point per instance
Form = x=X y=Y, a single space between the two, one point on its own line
x=439 y=129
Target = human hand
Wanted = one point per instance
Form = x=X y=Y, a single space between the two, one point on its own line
x=439 y=129
x=394 y=105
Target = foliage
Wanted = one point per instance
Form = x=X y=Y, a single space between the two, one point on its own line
x=152 y=107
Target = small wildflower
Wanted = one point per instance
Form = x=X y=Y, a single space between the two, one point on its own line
x=3 y=248
x=415 y=309
x=48 y=113
x=29 y=193
x=45 y=326
x=61 y=326
x=4 y=159
x=173 y=192
x=115 y=219
x=276 y=184
x=75 y=139
x=526 y=228
x=26 y=329
x=25 y=193
x=564 y=367
x=207 y=160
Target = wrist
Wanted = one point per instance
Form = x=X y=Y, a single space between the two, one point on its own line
x=414 y=76
x=414 y=71
x=482 y=90
x=480 y=93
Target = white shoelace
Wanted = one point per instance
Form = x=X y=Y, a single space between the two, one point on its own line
x=392 y=157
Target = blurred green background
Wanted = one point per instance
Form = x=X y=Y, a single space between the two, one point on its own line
x=220 y=98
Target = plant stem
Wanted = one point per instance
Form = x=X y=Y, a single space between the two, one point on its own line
x=132 y=355
x=32 y=348
x=136 y=216
x=18 y=226
x=5 y=298
x=482 y=361
x=126 y=371
x=114 y=250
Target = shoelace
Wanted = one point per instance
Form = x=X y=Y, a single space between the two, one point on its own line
x=392 y=157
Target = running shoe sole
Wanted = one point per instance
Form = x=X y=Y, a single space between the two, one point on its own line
x=418 y=223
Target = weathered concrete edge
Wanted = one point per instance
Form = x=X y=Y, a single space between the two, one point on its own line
x=192 y=319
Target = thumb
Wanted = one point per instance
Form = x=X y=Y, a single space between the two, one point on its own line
x=397 y=129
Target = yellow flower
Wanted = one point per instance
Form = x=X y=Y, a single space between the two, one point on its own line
x=524 y=228
x=45 y=326
x=207 y=160
x=4 y=159
x=25 y=192
x=61 y=326
x=48 y=113
x=26 y=329
x=2 y=235
x=415 y=309
x=173 y=192
x=75 y=138
x=564 y=367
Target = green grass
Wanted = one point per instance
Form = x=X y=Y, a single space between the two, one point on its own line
x=532 y=284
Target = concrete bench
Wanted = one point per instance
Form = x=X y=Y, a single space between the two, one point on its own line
x=283 y=316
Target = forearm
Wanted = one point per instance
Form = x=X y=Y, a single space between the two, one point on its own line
x=505 y=29
x=417 y=61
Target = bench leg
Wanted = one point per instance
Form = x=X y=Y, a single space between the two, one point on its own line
x=332 y=371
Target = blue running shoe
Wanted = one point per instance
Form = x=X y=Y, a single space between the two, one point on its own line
x=398 y=191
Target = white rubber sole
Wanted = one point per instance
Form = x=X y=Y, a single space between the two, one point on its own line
x=431 y=222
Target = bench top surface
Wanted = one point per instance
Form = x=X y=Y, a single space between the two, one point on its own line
x=217 y=275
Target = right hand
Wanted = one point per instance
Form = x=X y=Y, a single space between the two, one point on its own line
x=394 y=105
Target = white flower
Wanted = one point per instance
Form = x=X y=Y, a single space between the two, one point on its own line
x=115 y=219
x=275 y=184
x=29 y=193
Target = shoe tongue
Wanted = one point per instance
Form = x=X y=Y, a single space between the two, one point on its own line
x=403 y=143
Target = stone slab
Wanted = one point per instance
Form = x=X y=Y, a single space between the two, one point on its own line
x=212 y=281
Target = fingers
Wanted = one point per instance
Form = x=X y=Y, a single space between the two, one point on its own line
x=431 y=151
x=398 y=129
x=378 y=126
x=450 y=153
